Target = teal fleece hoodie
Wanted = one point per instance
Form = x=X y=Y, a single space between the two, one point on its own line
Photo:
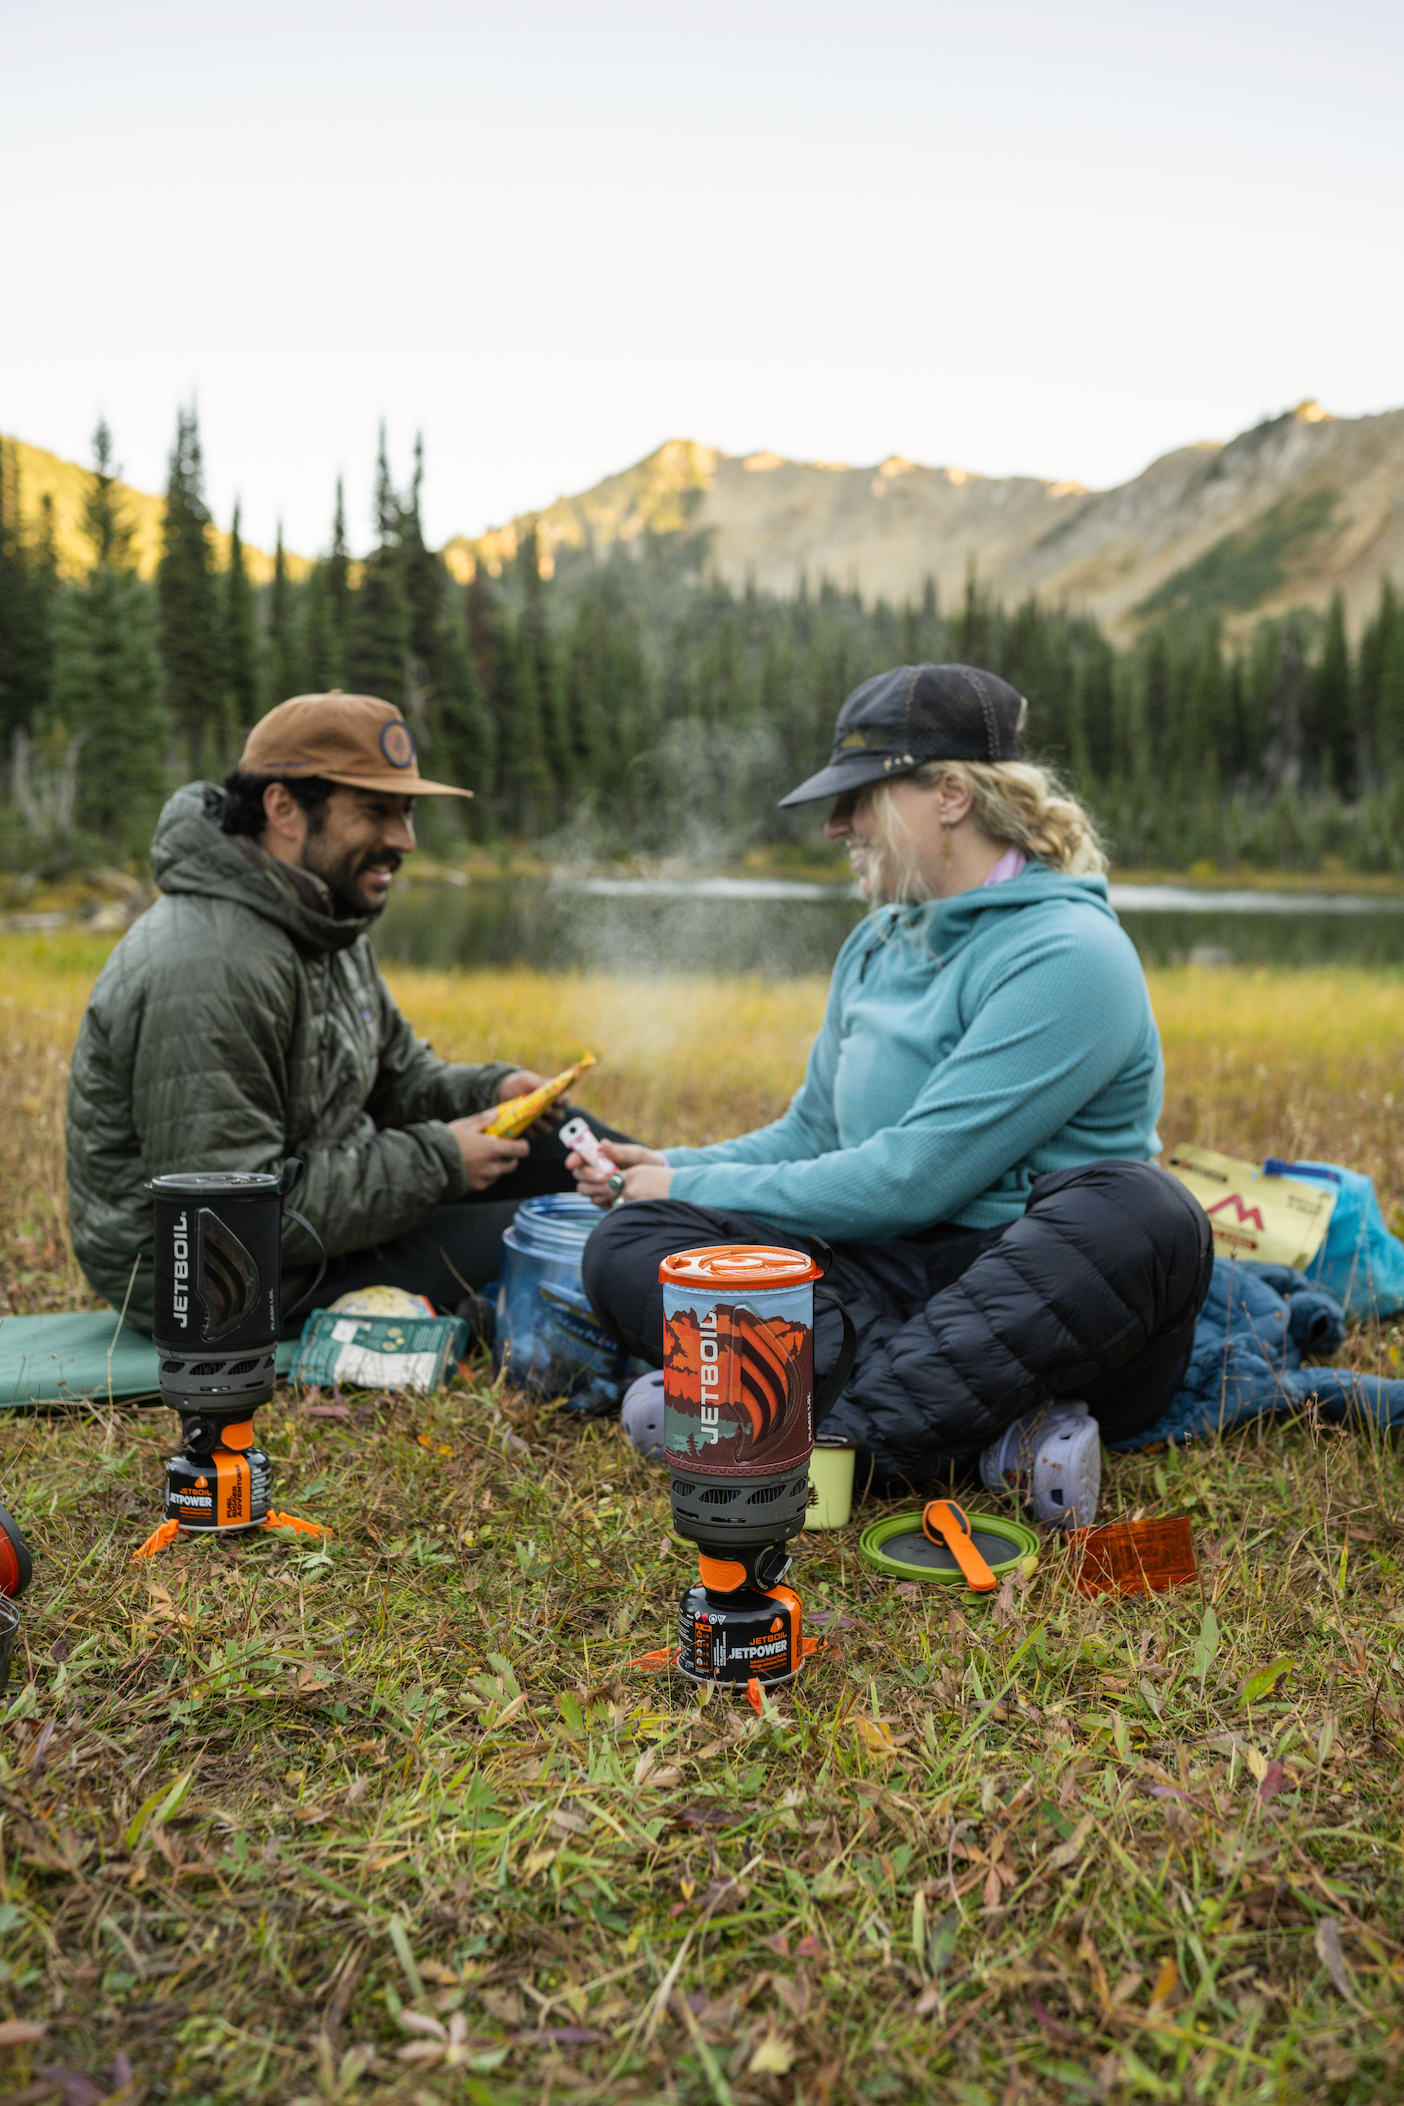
x=969 y=1046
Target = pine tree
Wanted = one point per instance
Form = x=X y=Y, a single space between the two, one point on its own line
x=28 y=584
x=542 y=673
x=107 y=678
x=320 y=657
x=378 y=639
x=461 y=726
x=280 y=658
x=1389 y=708
x=422 y=571
x=1330 y=731
x=338 y=592
x=1375 y=646
x=190 y=622
x=240 y=643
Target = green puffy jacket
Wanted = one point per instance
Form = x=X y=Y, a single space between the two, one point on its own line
x=237 y=1024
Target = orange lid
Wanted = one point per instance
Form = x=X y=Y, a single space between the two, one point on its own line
x=733 y=1265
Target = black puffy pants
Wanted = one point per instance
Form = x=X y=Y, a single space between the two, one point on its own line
x=1092 y=1293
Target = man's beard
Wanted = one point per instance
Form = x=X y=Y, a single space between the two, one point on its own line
x=340 y=876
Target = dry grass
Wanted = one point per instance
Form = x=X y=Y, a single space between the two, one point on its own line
x=271 y=1816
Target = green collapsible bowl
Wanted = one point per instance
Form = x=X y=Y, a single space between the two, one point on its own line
x=898 y=1548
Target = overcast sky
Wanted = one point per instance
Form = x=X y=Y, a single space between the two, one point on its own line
x=1055 y=240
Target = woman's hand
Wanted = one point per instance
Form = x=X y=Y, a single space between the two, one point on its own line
x=647 y=1173
x=486 y=1156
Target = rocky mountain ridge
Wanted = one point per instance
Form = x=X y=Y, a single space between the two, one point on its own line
x=1282 y=516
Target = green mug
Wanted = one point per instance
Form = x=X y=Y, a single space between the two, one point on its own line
x=830 y=1488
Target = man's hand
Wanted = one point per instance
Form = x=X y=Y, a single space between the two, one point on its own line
x=647 y=1173
x=520 y=1083
x=486 y=1156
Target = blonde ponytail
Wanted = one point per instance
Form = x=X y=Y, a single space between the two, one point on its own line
x=1014 y=802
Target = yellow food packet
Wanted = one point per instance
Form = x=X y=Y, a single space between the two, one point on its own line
x=514 y=1117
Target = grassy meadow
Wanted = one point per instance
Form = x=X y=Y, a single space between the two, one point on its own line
x=395 y=1819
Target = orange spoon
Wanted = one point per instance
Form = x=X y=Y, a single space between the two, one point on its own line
x=945 y=1522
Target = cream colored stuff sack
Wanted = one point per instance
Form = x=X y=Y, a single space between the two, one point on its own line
x=1273 y=1220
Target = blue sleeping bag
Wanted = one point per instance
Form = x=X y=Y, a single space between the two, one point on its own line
x=1257 y=1325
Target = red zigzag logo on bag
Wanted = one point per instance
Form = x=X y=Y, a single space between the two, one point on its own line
x=1245 y=1214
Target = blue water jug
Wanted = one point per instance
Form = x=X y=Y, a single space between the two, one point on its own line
x=548 y=1336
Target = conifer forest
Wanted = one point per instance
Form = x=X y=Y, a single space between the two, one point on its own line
x=638 y=706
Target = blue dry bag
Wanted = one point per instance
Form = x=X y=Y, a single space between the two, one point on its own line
x=1360 y=1262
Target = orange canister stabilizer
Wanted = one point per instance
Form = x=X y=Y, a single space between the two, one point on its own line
x=1133 y=1557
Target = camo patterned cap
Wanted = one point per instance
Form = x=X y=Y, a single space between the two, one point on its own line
x=898 y=721
x=354 y=739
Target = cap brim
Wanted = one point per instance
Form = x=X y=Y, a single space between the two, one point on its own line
x=397 y=785
x=840 y=777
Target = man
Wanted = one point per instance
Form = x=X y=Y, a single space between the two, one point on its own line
x=243 y=1021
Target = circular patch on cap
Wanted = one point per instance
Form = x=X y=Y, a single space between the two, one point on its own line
x=396 y=743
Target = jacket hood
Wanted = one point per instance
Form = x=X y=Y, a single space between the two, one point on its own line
x=941 y=926
x=190 y=853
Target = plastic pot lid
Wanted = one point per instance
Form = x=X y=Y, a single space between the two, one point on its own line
x=731 y=1265
x=897 y=1547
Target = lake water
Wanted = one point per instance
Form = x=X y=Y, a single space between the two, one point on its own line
x=779 y=927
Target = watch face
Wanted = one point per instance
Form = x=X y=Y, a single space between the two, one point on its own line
x=396 y=743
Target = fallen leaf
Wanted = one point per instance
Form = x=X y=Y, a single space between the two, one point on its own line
x=1049 y=2023
x=773 y=2058
x=1065 y=1853
x=909 y=1590
x=73 y=2086
x=992 y=1889
x=328 y=1411
x=308 y=1680
x=1328 y=1951
x=646 y=1762
x=1271 y=1783
x=1257 y=1763
x=20 y=2032
x=795 y=1992
x=357 y=1790
x=725 y=1894
x=1266 y=1679
x=420 y=2022
x=878 y=1737
x=809 y=1948
x=703 y=1816
x=1167 y=1982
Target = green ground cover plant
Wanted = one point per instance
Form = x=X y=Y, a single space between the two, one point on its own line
x=394 y=1817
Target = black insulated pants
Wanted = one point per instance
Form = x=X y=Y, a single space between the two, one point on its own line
x=1091 y=1294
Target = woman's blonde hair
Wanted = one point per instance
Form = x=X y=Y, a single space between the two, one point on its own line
x=1015 y=802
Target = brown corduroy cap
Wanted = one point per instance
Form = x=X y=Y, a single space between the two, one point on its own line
x=354 y=739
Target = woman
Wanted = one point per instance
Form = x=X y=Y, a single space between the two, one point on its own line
x=975 y=1127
